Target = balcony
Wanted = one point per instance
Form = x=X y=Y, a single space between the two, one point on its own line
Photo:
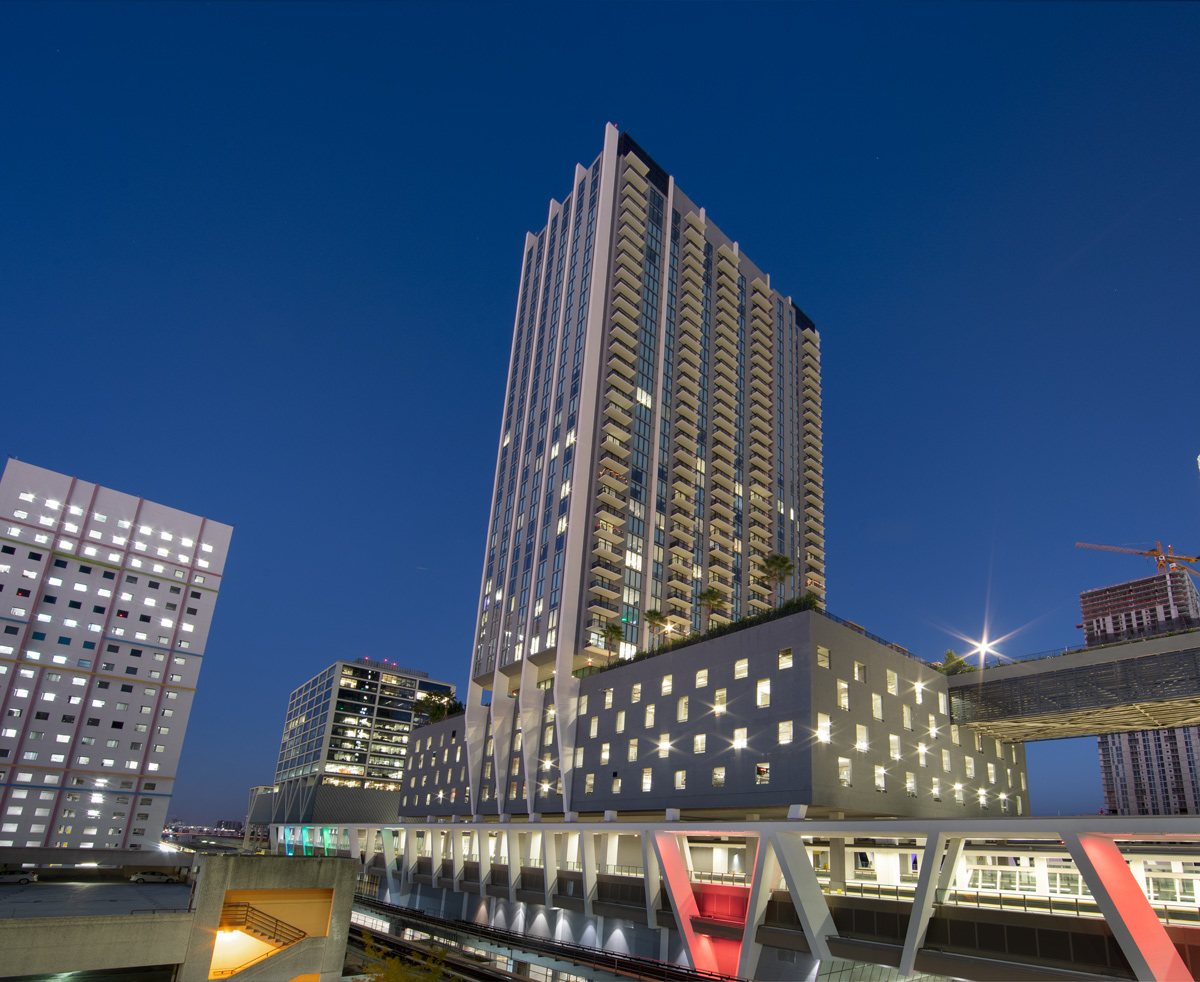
x=616 y=412
x=721 y=510
x=618 y=365
x=680 y=581
x=602 y=608
x=609 y=570
x=721 y=524
x=682 y=549
x=605 y=589
x=722 y=480
x=614 y=447
x=615 y=500
x=723 y=458
x=614 y=481
x=619 y=380
x=679 y=599
x=604 y=550
x=686 y=439
x=613 y=463
x=681 y=565
x=684 y=517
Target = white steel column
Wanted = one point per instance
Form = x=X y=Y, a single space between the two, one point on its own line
x=806 y=893
x=766 y=873
x=935 y=876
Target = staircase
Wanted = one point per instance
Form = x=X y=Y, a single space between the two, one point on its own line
x=260 y=925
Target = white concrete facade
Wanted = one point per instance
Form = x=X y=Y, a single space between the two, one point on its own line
x=107 y=600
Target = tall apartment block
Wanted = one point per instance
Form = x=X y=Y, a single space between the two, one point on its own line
x=1148 y=772
x=107 y=601
x=345 y=744
x=661 y=436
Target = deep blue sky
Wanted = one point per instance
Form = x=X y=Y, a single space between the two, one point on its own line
x=259 y=262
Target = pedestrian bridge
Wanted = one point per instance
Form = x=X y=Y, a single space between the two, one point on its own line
x=1147 y=684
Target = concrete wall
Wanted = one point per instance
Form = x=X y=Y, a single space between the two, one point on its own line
x=33 y=946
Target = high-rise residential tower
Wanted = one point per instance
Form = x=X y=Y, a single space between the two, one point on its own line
x=107 y=603
x=660 y=438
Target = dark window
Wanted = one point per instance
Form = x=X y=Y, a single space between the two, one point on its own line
x=97 y=609
x=135 y=652
x=118 y=725
x=113 y=648
x=93 y=721
x=131 y=670
x=195 y=594
x=41 y=715
x=22 y=593
x=127 y=688
x=122 y=613
x=68 y=719
x=149 y=787
x=130 y=579
x=191 y=610
x=144 y=618
x=109 y=574
x=174 y=589
x=64 y=640
x=35 y=556
x=154 y=584
x=85 y=569
x=37 y=635
x=75 y=604
x=9 y=629
x=102 y=685
x=9 y=551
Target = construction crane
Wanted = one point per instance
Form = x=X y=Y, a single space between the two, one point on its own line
x=1165 y=560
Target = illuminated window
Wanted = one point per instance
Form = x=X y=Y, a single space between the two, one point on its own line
x=922 y=753
x=877 y=705
x=594 y=727
x=681 y=709
x=880 y=778
x=785 y=731
x=589 y=783
x=954 y=733
x=620 y=720
x=647 y=777
x=604 y=752
x=823 y=727
x=702 y=678
x=664 y=744
x=681 y=780
x=991 y=773
x=636 y=694
x=719 y=701
x=666 y=685
x=649 y=716
x=739 y=738
x=764 y=693
x=822 y=657
x=969 y=763
x=608 y=696
x=633 y=750
x=860 y=672
x=718 y=777
x=845 y=775
x=910 y=784
x=616 y=785
x=906 y=711
x=698 y=743
x=893 y=683
x=943 y=708
x=936 y=785
x=785 y=657
x=843 y=695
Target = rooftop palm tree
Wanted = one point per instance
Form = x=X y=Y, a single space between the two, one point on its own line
x=710 y=599
x=776 y=568
x=657 y=621
x=611 y=634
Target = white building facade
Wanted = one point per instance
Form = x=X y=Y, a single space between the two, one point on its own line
x=661 y=437
x=107 y=600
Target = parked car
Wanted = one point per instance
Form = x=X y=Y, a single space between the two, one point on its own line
x=154 y=878
x=18 y=876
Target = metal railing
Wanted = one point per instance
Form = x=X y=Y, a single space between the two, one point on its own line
x=251 y=919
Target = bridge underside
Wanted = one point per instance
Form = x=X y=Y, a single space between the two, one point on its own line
x=1142 y=685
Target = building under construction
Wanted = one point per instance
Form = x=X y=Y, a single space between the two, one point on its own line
x=1151 y=772
x=1167 y=601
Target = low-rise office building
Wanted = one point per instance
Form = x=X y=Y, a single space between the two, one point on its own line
x=802 y=713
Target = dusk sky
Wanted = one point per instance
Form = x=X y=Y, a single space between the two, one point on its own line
x=259 y=262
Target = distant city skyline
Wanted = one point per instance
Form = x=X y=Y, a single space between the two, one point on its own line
x=257 y=262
